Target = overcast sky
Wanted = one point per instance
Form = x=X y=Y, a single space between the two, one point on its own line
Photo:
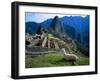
x=40 y=17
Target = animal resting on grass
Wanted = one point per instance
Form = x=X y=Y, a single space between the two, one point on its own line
x=70 y=57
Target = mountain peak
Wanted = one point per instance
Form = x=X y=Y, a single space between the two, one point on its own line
x=56 y=17
x=56 y=27
x=54 y=21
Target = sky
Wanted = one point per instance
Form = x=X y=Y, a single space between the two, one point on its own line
x=40 y=17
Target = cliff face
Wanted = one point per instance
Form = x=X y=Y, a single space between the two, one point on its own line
x=57 y=28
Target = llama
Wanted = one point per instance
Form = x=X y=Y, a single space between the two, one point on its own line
x=70 y=57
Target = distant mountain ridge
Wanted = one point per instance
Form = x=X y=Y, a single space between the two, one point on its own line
x=75 y=27
x=31 y=27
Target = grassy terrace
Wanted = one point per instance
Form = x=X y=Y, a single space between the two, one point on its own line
x=50 y=36
x=52 y=60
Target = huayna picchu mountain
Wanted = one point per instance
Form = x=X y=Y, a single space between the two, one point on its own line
x=57 y=28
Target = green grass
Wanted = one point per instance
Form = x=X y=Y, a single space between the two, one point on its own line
x=83 y=61
x=52 y=60
x=51 y=37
